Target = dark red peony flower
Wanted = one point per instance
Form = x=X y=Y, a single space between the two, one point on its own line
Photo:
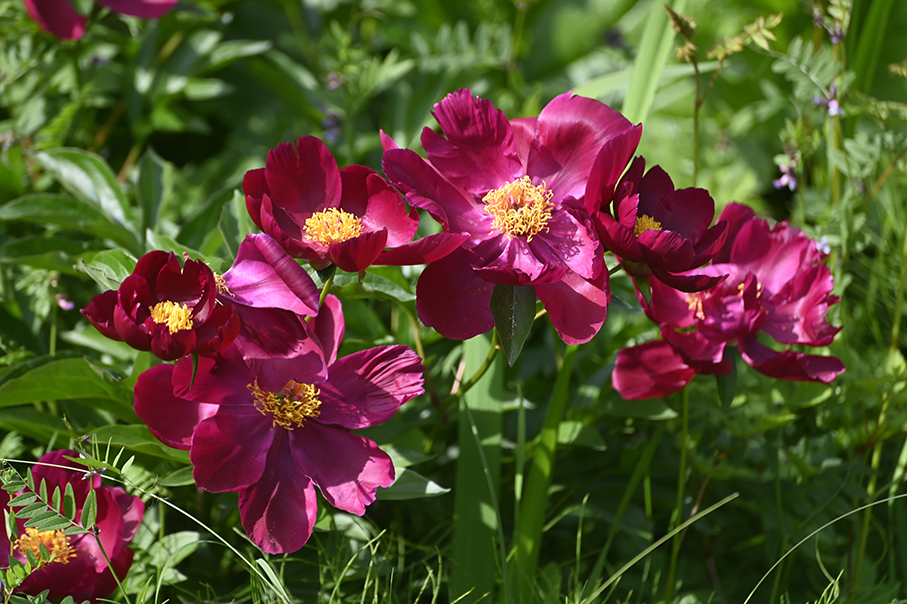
x=78 y=567
x=60 y=18
x=331 y=216
x=274 y=431
x=660 y=232
x=519 y=189
x=167 y=309
x=777 y=284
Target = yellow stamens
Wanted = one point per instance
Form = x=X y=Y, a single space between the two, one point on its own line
x=694 y=303
x=221 y=285
x=290 y=407
x=645 y=223
x=519 y=208
x=333 y=226
x=55 y=542
x=177 y=317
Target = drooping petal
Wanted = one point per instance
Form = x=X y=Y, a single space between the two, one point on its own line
x=278 y=511
x=790 y=365
x=264 y=276
x=170 y=418
x=58 y=17
x=367 y=387
x=347 y=468
x=452 y=299
x=423 y=251
x=328 y=326
x=651 y=370
x=578 y=307
x=229 y=448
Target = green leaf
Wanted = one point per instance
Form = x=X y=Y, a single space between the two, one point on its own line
x=137 y=437
x=654 y=409
x=410 y=485
x=69 y=502
x=153 y=188
x=48 y=521
x=513 y=309
x=727 y=384
x=179 y=478
x=235 y=223
x=371 y=286
x=71 y=214
x=22 y=500
x=90 y=510
x=63 y=379
x=108 y=268
x=88 y=177
x=578 y=434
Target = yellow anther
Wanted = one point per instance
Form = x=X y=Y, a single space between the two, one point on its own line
x=55 y=542
x=694 y=303
x=520 y=208
x=645 y=223
x=177 y=317
x=221 y=285
x=333 y=226
x=290 y=407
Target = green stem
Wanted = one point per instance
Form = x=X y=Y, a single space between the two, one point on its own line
x=678 y=510
x=475 y=377
x=528 y=532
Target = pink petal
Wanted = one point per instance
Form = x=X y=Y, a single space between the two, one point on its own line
x=650 y=370
x=58 y=17
x=367 y=387
x=347 y=468
x=790 y=365
x=100 y=312
x=736 y=215
x=143 y=9
x=264 y=276
x=328 y=327
x=617 y=238
x=359 y=253
x=220 y=379
x=170 y=418
x=278 y=511
x=688 y=212
x=578 y=307
x=305 y=183
x=423 y=251
x=610 y=163
x=452 y=299
x=229 y=448
x=667 y=250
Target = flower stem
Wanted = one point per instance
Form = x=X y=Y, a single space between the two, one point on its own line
x=678 y=511
x=475 y=377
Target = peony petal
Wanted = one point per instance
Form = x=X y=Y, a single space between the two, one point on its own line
x=650 y=370
x=220 y=379
x=303 y=180
x=367 y=387
x=423 y=251
x=278 y=511
x=255 y=187
x=452 y=299
x=790 y=365
x=347 y=468
x=736 y=215
x=578 y=307
x=143 y=9
x=328 y=326
x=170 y=418
x=666 y=250
x=229 y=448
x=264 y=276
x=58 y=17
x=610 y=163
x=357 y=254
x=617 y=238
x=100 y=313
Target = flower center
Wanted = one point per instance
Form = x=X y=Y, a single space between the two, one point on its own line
x=333 y=226
x=519 y=208
x=694 y=303
x=290 y=407
x=55 y=543
x=176 y=316
x=221 y=285
x=645 y=223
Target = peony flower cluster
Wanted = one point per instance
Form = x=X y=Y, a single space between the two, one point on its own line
x=77 y=566
x=262 y=401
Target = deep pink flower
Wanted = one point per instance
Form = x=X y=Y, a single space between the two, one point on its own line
x=169 y=310
x=61 y=19
x=777 y=284
x=660 y=232
x=272 y=433
x=331 y=216
x=79 y=568
x=520 y=190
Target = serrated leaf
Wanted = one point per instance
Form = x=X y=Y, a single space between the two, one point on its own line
x=410 y=485
x=513 y=309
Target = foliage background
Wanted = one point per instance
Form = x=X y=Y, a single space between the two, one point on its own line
x=137 y=138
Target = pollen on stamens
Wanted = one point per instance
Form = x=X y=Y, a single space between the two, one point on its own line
x=177 y=317
x=333 y=226
x=520 y=208
x=645 y=223
x=55 y=543
x=694 y=303
x=289 y=408
x=221 y=285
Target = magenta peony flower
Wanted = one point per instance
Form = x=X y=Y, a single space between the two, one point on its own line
x=777 y=284
x=272 y=433
x=331 y=216
x=78 y=568
x=60 y=18
x=520 y=189
x=168 y=310
x=659 y=232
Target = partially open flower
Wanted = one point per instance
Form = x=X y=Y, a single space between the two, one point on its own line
x=76 y=566
x=167 y=309
x=661 y=232
x=331 y=216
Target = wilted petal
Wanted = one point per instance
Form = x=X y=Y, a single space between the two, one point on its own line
x=347 y=468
